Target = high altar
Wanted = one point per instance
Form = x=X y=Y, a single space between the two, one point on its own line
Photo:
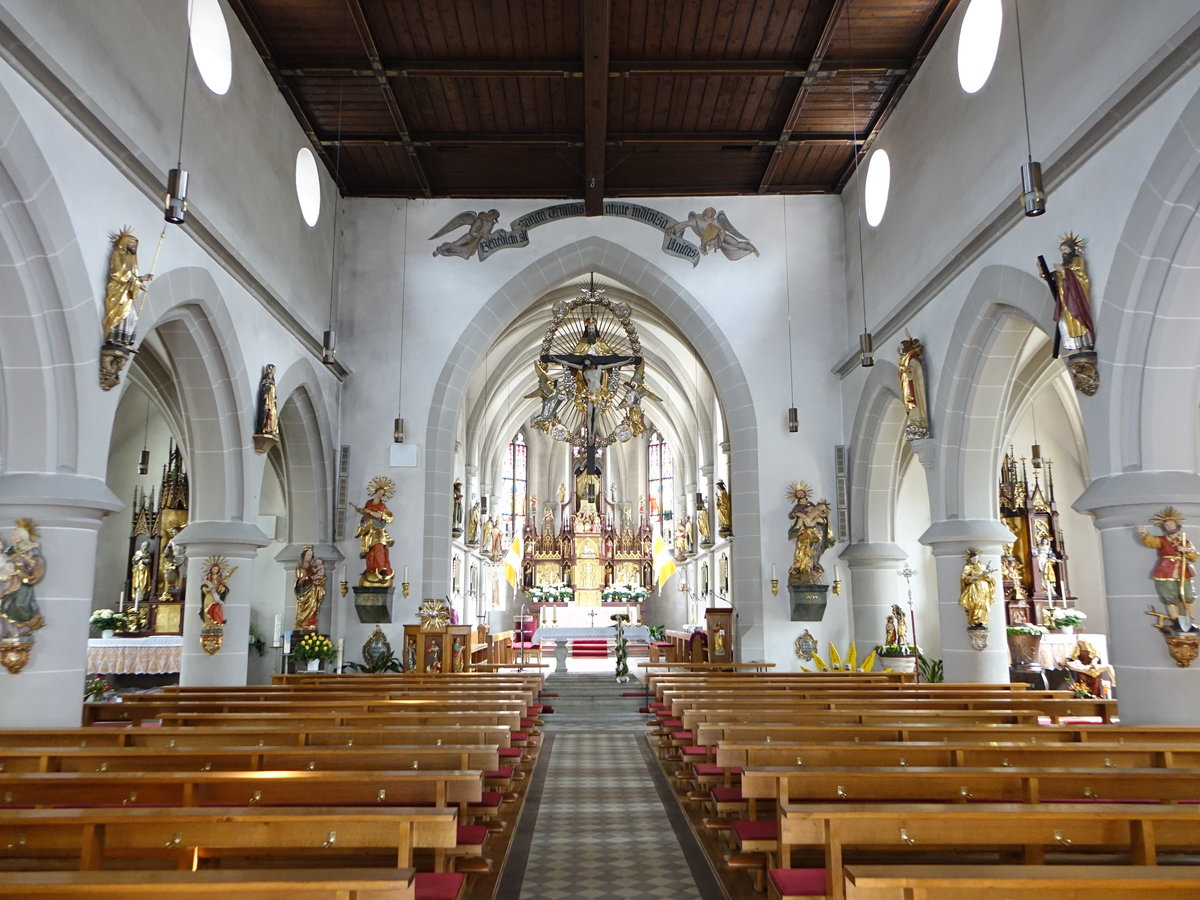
x=594 y=546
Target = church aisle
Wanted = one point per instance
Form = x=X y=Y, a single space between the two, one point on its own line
x=597 y=824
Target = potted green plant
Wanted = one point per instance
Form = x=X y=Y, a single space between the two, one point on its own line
x=622 y=647
x=1066 y=619
x=312 y=650
x=1024 y=641
x=898 y=657
x=106 y=621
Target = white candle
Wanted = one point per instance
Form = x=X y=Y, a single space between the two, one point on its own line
x=277 y=634
x=343 y=571
x=773 y=577
x=837 y=574
x=406 y=574
x=287 y=644
x=341 y=651
x=136 y=598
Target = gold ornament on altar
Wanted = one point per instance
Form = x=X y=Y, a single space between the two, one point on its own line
x=434 y=615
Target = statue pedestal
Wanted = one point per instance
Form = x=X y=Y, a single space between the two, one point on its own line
x=373 y=604
x=808 y=601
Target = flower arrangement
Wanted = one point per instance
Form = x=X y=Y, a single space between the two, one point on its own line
x=106 y=620
x=1062 y=615
x=624 y=593
x=897 y=650
x=314 y=646
x=551 y=593
x=1079 y=690
x=95 y=687
x=1026 y=628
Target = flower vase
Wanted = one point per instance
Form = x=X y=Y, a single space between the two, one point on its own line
x=106 y=633
x=314 y=665
x=1067 y=629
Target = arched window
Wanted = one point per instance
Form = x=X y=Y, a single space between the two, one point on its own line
x=512 y=486
x=661 y=469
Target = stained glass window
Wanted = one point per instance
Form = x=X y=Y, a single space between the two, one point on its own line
x=513 y=482
x=661 y=468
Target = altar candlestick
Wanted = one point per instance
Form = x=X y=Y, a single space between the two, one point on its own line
x=341 y=652
x=287 y=644
x=277 y=634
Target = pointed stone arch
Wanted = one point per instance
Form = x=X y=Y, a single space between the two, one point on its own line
x=1148 y=327
x=876 y=444
x=604 y=257
x=975 y=389
x=305 y=431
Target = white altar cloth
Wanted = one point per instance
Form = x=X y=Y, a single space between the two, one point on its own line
x=153 y=655
x=576 y=633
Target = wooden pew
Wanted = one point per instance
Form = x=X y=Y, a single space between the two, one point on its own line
x=510 y=720
x=181 y=789
x=245 y=884
x=182 y=836
x=149 y=707
x=984 y=882
x=279 y=736
x=151 y=759
x=1024 y=829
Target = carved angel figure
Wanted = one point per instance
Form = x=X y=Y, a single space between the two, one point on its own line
x=716 y=232
x=552 y=398
x=479 y=225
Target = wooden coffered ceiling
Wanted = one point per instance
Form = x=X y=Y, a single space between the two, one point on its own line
x=591 y=99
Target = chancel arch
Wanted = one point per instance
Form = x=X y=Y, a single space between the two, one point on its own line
x=523 y=296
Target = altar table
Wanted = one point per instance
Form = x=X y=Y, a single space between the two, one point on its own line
x=152 y=655
x=561 y=637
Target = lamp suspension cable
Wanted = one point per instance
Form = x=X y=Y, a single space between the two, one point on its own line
x=175 y=204
x=398 y=427
x=1033 y=193
x=793 y=417
x=329 y=341
x=866 y=343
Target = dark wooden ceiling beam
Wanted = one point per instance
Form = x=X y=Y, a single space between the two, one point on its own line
x=389 y=96
x=258 y=37
x=614 y=139
x=596 y=39
x=767 y=68
x=833 y=13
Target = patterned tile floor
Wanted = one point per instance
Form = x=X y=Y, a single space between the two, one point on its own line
x=600 y=820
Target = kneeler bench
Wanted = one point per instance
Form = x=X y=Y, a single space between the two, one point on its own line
x=985 y=882
x=300 y=884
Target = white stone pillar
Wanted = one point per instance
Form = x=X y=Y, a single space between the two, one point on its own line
x=239 y=543
x=949 y=540
x=874 y=587
x=66 y=511
x=1151 y=688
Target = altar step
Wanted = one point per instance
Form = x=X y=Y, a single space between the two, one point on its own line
x=589 y=649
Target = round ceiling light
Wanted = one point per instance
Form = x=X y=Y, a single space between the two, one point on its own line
x=978 y=42
x=879 y=182
x=308 y=186
x=210 y=44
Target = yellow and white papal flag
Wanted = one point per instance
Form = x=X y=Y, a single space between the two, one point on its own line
x=664 y=562
x=512 y=561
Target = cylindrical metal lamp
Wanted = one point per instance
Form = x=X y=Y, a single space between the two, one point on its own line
x=1032 y=192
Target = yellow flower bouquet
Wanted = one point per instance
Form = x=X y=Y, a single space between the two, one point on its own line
x=314 y=646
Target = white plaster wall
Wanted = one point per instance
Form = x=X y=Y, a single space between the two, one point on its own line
x=747 y=300
x=912 y=520
x=123 y=61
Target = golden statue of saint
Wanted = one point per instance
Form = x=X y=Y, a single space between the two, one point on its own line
x=978 y=589
x=125 y=285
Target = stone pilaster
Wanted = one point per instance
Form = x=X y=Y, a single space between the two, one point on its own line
x=874 y=587
x=67 y=511
x=949 y=540
x=238 y=543
x=1151 y=688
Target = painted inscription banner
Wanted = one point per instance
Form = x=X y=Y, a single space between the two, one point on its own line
x=711 y=228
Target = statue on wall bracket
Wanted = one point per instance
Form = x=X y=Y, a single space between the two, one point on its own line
x=266 y=420
x=912 y=388
x=124 y=288
x=1175 y=583
x=213 y=591
x=1075 y=332
x=373 y=593
x=978 y=592
x=21 y=567
x=812 y=536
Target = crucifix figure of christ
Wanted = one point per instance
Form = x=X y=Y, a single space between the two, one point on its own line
x=593 y=615
x=590 y=369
